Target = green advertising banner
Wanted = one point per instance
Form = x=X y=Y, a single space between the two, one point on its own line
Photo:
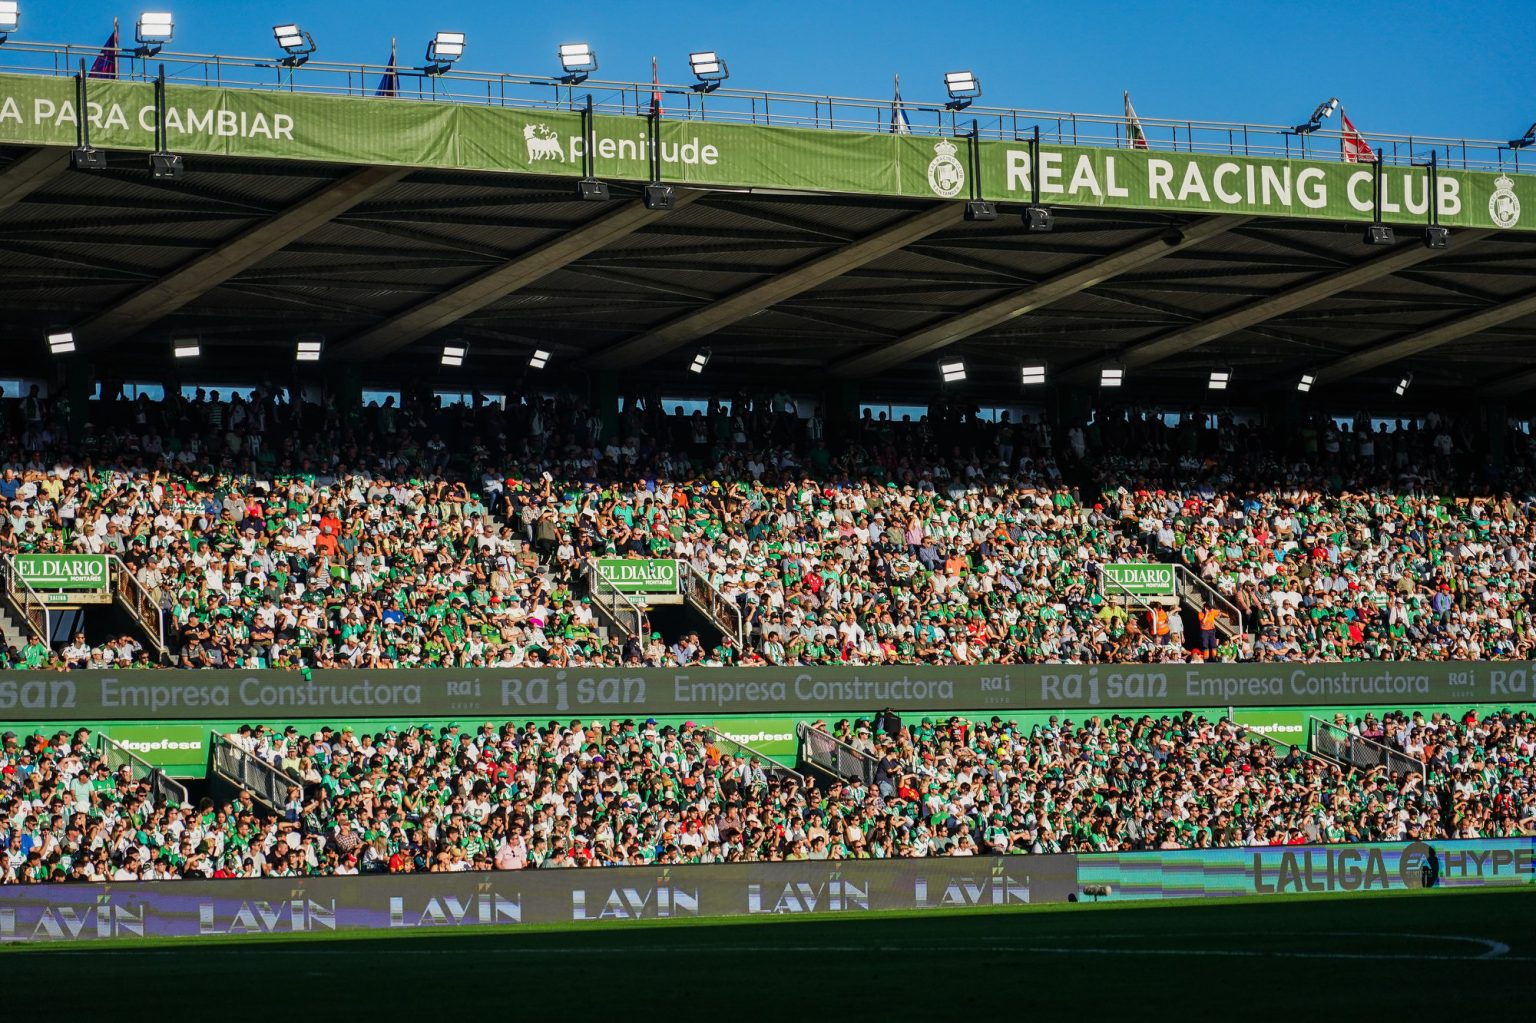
x=36 y=110
x=63 y=571
x=1140 y=580
x=640 y=575
x=491 y=693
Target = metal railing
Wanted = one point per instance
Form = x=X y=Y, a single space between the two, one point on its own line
x=265 y=782
x=628 y=617
x=167 y=791
x=769 y=765
x=1339 y=744
x=140 y=603
x=721 y=611
x=1211 y=595
x=748 y=106
x=34 y=611
x=834 y=756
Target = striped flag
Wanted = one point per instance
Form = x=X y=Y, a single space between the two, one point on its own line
x=901 y=124
x=1133 y=132
x=655 y=90
x=389 y=83
x=105 y=65
x=1352 y=145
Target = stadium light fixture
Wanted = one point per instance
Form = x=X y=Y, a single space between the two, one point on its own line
x=700 y=360
x=1031 y=376
x=952 y=370
x=577 y=61
x=1305 y=383
x=10 y=18
x=309 y=346
x=1403 y=384
x=709 y=69
x=1112 y=376
x=1437 y=237
x=153 y=30
x=453 y=354
x=539 y=359
x=1379 y=234
x=1324 y=109
x=295 y=42
x=1521 y=143
x=444 y=49
x=1220 y=378
x=963 y=89
x=186 y=348
x=61 y=343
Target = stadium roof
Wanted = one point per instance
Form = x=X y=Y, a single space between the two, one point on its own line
x=786 y=286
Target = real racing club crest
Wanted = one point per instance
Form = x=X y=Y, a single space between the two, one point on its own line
x=945 y=174
x=1503 y=205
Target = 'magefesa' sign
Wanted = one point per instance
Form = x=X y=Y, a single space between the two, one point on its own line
x=36 y=110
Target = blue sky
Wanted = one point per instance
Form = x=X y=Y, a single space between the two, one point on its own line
x=1450 y=69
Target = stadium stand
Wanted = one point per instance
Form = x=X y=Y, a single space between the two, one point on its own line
x=599 y=793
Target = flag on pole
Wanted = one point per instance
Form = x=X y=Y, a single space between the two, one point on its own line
x=655 y=90
x=389 y=83
x=1352 y=145
x=901 y=124
x=105 y=65
x=1133 y=131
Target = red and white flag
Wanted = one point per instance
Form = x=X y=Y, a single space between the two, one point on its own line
x=1352 y=145
x=1133 y=132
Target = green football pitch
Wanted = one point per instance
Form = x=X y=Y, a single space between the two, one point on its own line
x=1436 y=952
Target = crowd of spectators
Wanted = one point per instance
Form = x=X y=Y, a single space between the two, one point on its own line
x=608 y=793
x=281 y=535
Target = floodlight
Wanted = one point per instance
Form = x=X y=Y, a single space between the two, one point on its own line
x=700 y=360
x=295 y=42
x=1379 y=234
x=980 y=209
x=453 y=355
x=1038 y=220
x=659 y=197
x=153 y=30
x=1030 y=375
x=709 y=69
x=539 y=359
x=10 y=18
x=1402 y=385
x=1111 y=376
x=186 y=348
x=963 y=89
x=1437 y=237
x=61 y=343
x=1220 y=378
x=1305 y=383
x=952 y=370
x=578 y=61
x=1528 y=140
x=309 y=346
x=1324 y=109
x=443 y=50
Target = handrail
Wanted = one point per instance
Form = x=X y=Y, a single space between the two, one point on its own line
x=251 y=773
x=714 y=605
x=29 y=603
x=1352 y=750
x=834 y=756
x=736 y=748
x=629 y=619
x=168 y=790
x=1210 y=592
x=140 y=603
x=750 y=106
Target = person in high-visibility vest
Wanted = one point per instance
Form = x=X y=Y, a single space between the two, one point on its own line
x=1207 y=618
x=1159 y=626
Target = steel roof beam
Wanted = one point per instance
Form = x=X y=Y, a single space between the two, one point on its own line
x=1424 y=340
x=29 y=172
x=1253 y=313
x=795 y=281
x=998 y=311
x=500 y=281
x=207 y=271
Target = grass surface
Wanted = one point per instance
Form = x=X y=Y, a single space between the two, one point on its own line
x=1303 y=957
